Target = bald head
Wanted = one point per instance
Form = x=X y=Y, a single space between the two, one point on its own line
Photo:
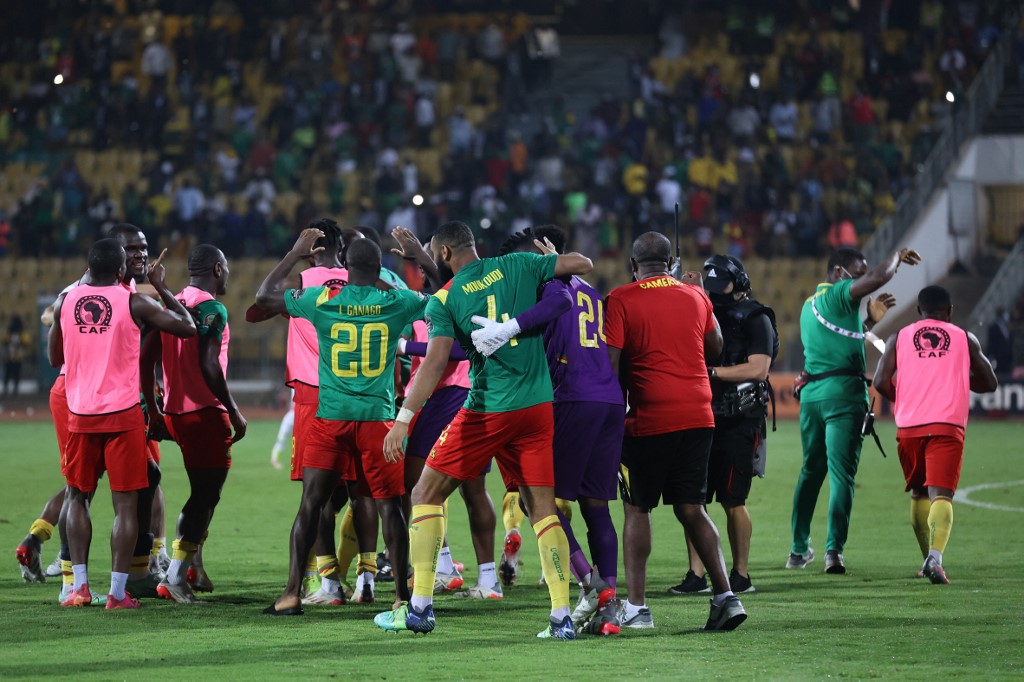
x=652 y=247
x=363 y=259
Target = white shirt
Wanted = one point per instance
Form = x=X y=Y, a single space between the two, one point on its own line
x=669 y=193
x=156 y=59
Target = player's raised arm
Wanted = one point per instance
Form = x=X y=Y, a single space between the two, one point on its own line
x=270 y=297
x=983 y=377
x=875 y=278
x=886 y=369
x=555 y=301
x=174 y=319
x=409 y=248
x=572 y=264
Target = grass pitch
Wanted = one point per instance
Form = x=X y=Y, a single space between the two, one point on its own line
x=879 y=621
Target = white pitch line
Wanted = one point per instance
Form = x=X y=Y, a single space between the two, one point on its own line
x=963 y=495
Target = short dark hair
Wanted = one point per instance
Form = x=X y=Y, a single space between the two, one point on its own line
x=652 y=247
x=363 y=254
x=934 y=299
x=332 y=240
x=203 y=259
x=454 y=235
x=370 y=234
x=516 y=242
x=844 y=257
x=118 y=229
x=554 y=234
x=106 y=258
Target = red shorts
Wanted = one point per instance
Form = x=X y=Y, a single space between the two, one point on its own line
x=153 y=451
x=356 y=451
x=520 y=440
x=306 y=398
x=61 y=414
x=121 y=454
x=204 y=437
x=931 y=461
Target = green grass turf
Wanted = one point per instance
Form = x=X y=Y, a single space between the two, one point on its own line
x=876 y=622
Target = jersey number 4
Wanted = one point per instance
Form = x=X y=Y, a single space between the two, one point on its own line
x=588 y=340
x=354 y=340
x=492 y=314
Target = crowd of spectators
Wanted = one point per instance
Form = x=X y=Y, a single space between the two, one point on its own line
x=387 y=121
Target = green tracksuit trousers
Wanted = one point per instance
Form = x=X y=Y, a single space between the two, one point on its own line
x=830 y=434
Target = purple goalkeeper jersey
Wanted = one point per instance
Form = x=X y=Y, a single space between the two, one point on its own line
x=576 y=349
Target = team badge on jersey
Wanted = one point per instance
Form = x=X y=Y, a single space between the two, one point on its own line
x=931 y=342
x=92 y=315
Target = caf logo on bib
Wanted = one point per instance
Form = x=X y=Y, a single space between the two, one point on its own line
x=335 y=283
x=931 y=342
x=92 y=315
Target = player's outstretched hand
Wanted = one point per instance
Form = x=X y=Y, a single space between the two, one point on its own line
x=909 y=256
x=157 y=428
x=239 y=424
x=394 y=443
x=493 y=335
x=304 y=244
x=879 y=306
x=157 y=271
x=409 y=246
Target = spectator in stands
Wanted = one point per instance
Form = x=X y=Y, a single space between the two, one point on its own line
x=784 y=118
x=744 y=120
x=862 y=116
x=1000 y=342
x=16 y=348
x=188 y=203
x=425 y=119
x=842 y=233
x=156 y=62
x=952 y=64
x=260 y=192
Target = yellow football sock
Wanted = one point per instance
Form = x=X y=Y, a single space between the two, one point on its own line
x=426 y=535
x=67 y=576
x=158 y=544
x=41 y=529
x=184 y=551
x=919 y=508
x=348 y=543
x=206 y=534
x=311 y=563
x=564 y=506
x=511 y=514
x=327 y=566
x=367 y=563
x=940 y=522
x=554 y=559
x=139 y=565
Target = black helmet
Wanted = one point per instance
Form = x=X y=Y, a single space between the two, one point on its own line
x=720 y=269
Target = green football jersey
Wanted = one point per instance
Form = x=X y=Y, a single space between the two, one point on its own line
x=358 y=328
x=516 y=376
x=826 y=350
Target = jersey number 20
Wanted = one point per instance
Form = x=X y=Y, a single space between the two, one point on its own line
x=354 y=340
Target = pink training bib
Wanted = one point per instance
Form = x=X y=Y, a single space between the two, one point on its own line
x=455 y=374
x=933 y=375
x=303 y=358
x=101 y=350
x=185 y=389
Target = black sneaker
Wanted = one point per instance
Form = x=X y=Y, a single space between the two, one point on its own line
x=740 y=584
x=384 y=573
x=834 y=563
x=726 y=616
x=691 y=585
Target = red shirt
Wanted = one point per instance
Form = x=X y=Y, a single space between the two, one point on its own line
x=659 y=324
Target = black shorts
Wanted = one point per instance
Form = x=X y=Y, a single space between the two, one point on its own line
x=670 y=466
x=731 y=466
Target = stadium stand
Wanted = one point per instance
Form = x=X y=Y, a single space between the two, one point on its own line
x=780 y=134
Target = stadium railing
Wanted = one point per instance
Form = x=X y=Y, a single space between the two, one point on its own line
x=1006 y=287
x=969 y=113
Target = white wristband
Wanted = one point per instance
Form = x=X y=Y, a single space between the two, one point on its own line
x=405 y=415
